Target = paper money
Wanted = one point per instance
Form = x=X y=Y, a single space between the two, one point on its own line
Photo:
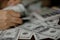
x=41 y=36
x=36 y=37
x=34 y=24
x=1 y=34
x=42 y=28
x=25 y=31
x=38 y=15
x=10 y=34
x=25 y=34
x=51 y=32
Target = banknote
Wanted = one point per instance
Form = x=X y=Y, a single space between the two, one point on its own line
x=10 y=34
x=25 y=34
x=51 y=32
x=34 y=24
x=36 y=37
x=42 y=36
x=1 y=34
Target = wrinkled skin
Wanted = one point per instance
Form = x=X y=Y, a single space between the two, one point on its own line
x=9 y=18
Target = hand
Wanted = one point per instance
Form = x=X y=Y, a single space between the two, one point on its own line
x=14 y=2
x=9 y=18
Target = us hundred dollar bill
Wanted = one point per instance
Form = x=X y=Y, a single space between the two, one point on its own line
x=25 y=34
x=10 y=34
x=51 y=32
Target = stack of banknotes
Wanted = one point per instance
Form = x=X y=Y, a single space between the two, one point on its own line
x=26 y=31
x=34 y=26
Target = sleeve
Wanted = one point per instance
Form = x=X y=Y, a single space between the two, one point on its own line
x=18 y=8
